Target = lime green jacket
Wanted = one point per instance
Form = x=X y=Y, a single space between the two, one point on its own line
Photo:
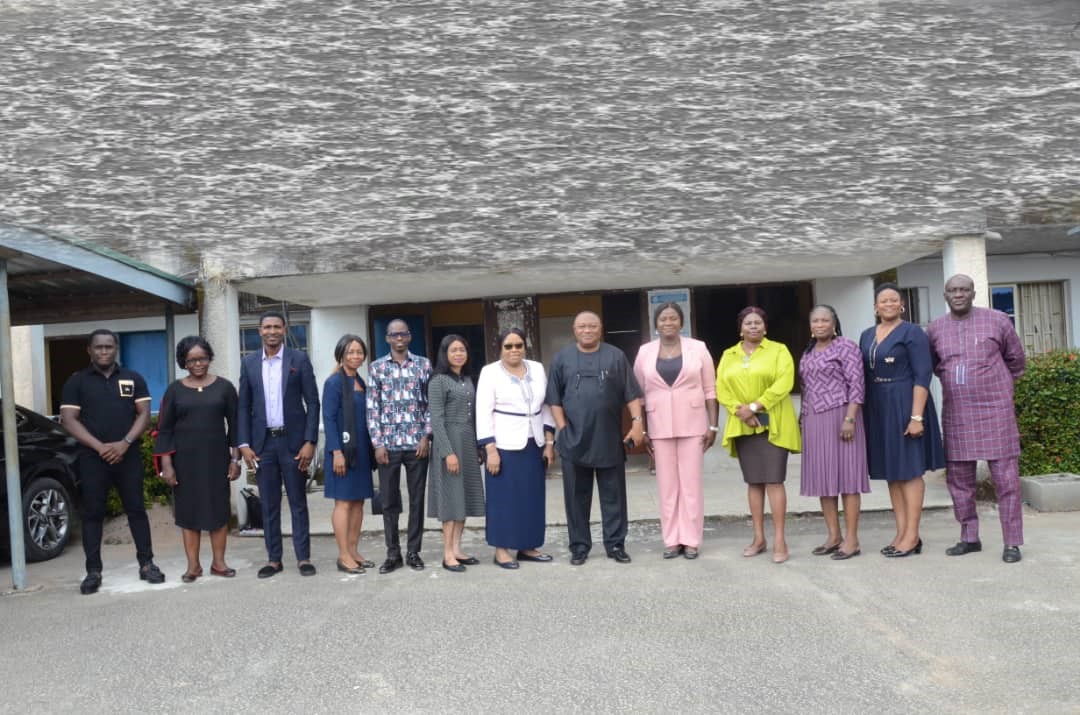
x=766 y=378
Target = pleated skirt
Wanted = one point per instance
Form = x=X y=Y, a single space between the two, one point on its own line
x=831 y=466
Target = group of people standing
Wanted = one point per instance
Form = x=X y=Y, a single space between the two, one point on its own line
x=484 y=449
x=866 y=413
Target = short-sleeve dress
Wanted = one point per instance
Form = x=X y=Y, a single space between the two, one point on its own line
x=197 y=426
x=357 y=483
x=452 y=497
x=892 y=369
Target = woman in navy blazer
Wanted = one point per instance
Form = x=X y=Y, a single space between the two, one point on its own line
x=348 y=464
x=681 y=416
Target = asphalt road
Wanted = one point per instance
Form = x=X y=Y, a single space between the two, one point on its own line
x=721 y=634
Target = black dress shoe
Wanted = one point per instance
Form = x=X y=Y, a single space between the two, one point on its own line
x=307 y=569
x=898 y=554
x=1011 y=554
x=691 y=553
x=619 y=555
x=964 y=547
x=673 y=553
x=414 y=561
x=456 y=568
x=151 y=573
x=841 y=555
x=469 y=561
x=578 y=559
x=269 y=570
x=824 y=550
x=538 y=558
x=91 y=583
x=351 y=570
x=885 y=550
x=391 y=564
x=511 y=564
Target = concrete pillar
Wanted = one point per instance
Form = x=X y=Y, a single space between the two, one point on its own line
x=29 y=366
x=966 y=253
x=326 y=327
x=853 y=299
x=219 y=322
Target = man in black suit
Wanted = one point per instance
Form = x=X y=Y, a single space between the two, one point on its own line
x=278 y=430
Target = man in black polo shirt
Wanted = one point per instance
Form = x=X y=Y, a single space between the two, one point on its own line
x=107 y=408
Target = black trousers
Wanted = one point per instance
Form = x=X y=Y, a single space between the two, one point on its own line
x=390 y=488
x=577 y=492
x=95 y=478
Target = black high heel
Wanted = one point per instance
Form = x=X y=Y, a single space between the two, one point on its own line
x=897 y=554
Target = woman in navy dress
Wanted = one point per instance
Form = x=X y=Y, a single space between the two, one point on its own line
x=903 y=439
x=347 y=464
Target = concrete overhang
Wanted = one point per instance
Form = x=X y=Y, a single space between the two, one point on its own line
x=53 y=279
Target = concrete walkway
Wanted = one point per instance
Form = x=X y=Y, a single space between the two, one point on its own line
x=725 y=496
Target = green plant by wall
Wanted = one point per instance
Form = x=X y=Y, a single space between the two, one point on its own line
x=155 y=491
x=1048 y=413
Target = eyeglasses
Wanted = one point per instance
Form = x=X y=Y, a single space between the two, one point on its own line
x=197 y=361
x=513 y=346
x=399 y=334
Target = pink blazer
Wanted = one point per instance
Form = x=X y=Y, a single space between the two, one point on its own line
x=679 y=410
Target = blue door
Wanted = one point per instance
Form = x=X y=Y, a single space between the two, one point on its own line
x=147 y=354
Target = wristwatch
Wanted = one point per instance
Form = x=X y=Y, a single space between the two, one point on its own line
x=128 y=440
x=754 y=407
x=916 y=418
x=714 y=428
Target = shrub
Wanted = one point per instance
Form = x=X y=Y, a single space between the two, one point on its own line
x=1048 y=413
x=155 y=491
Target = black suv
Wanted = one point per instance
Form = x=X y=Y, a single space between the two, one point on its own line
x=46 y=459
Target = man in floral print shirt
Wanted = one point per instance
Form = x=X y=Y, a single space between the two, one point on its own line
x=399 y=422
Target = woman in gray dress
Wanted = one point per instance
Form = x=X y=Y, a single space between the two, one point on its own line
x=455 y=487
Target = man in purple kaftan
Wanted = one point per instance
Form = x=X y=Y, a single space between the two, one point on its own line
x=977 y=356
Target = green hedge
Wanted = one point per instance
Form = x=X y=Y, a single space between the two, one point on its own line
x=155 y=491
x=1048 y=412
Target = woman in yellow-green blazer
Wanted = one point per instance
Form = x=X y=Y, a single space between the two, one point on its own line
x=753 y=382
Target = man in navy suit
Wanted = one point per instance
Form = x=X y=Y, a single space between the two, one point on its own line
x=278 y=430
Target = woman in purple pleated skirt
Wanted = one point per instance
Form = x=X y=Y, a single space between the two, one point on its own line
x=834 y=443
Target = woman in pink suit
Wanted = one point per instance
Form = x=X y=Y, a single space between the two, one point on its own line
x=681 y=415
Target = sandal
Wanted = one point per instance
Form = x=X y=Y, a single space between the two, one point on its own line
x=690 y=553
x=189 y=577
x=224 y=573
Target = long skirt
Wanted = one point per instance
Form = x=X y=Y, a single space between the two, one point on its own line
x=831 y=466
x=516 y=499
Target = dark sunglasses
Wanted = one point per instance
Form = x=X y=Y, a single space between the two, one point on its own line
x=399 y=334
x=513 y=346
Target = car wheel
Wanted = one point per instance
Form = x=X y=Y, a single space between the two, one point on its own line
x=47 y=518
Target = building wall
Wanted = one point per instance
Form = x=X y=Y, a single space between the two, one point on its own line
x=1028 y=268
x=326 y=326
x=30 y=351
x=853 y=299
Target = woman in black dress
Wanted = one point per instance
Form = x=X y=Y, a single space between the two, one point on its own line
x=196 y=443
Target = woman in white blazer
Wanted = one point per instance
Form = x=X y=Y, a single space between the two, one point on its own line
x=516 y=430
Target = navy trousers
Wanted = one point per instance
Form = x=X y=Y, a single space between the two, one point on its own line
x=276 y=465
